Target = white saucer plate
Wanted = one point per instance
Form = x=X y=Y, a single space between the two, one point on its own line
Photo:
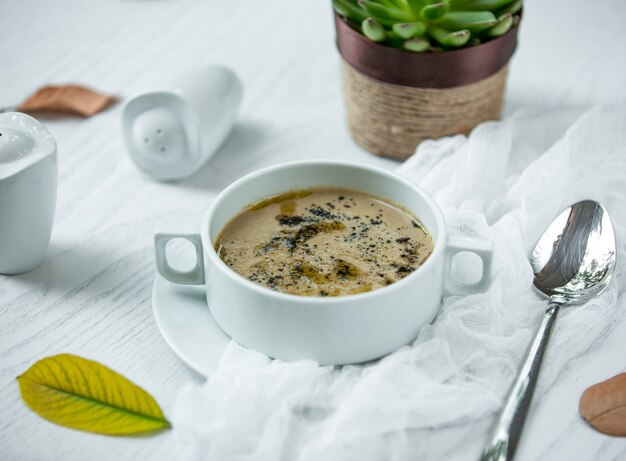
x=185 y=321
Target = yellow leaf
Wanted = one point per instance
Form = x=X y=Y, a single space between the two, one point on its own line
x=85 y=395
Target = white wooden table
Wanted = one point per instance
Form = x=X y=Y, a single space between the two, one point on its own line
x=92 y=295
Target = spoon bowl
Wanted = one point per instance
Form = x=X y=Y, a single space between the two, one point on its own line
x=573 y=261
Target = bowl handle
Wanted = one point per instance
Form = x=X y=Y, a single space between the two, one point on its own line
x=482 y=248
x=194 y=276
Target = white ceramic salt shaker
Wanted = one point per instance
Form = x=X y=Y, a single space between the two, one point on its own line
x=28 y=190
x=172 y=130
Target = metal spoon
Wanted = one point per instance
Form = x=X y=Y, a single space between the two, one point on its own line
x=573 y=261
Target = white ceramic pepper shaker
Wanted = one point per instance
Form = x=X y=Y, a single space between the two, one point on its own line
x=28 y=190
x=172 y=130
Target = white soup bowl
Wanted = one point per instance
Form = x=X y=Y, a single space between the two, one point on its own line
x=330 y=330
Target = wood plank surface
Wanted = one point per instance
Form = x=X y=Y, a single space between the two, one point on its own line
x=92 y=295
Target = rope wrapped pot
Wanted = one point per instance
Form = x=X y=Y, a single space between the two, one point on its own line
x=395 y=99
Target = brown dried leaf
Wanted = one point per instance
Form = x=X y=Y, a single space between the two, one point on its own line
x=72 y=99
x=603 y=405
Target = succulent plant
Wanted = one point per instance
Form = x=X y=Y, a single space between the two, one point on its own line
x=430 y=25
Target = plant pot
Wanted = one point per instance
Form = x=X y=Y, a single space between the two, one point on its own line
x=395 y=99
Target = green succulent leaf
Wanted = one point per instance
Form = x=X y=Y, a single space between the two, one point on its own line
x=416 y=44
x=447 y=38
x=502 y=26
x=409 y=30
x=478 y=5
x=339 y=9
x=512 y=8
x=350 y=10
x=416 y=5
x=472 y=20
x=391 y=4
x=434 y=10
x=378 y=10
x=373 y=30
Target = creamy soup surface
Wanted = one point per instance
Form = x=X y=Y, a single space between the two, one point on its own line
x=324 y=242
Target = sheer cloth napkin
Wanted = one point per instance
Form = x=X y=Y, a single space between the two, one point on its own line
x=505 y=182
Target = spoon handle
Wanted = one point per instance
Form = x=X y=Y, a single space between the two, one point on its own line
x=508 y=427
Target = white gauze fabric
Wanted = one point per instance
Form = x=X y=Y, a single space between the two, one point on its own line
x=505 y=182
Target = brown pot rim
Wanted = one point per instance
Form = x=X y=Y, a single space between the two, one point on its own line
x=445 y=69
